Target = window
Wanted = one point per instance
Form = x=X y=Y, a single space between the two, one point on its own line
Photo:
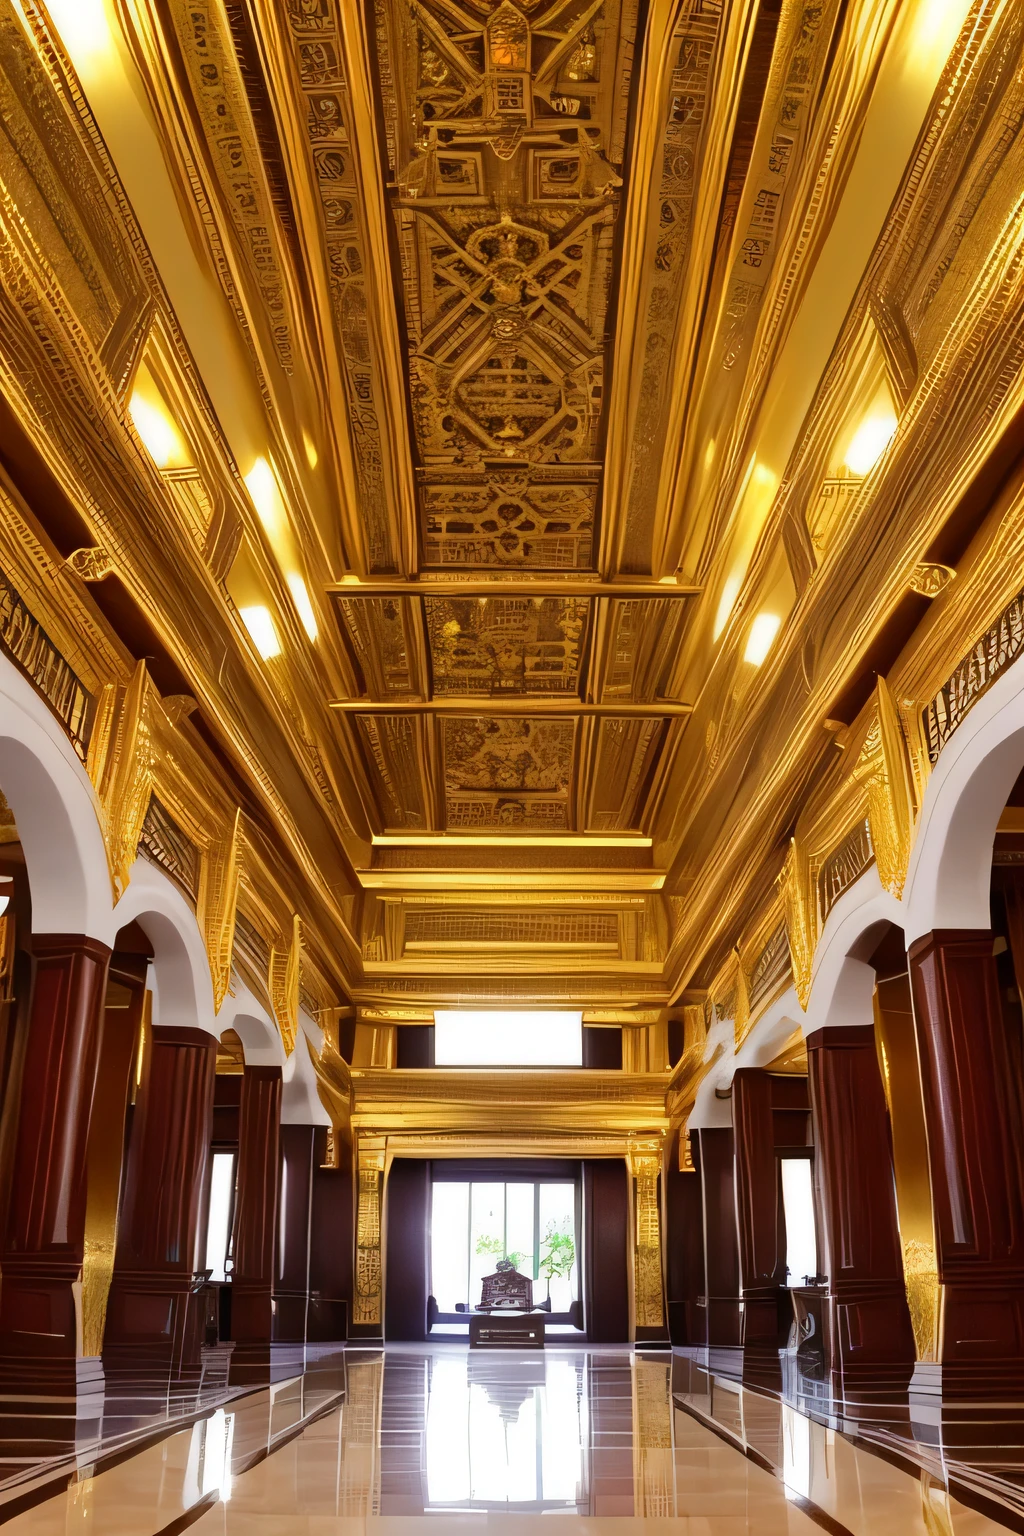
x=474 y=1224
x=497 y=1039
x=218 y=1225
x=798 y=1207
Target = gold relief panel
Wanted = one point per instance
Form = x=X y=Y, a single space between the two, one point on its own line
x=506 y=517
x=493 y=647
x=505 y=130
x=508 y=775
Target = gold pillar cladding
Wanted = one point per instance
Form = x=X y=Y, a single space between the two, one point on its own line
x=367 y=1307
x=126 y=1016
x=894 y=1023
x=654 y=1488
x=645 y=1166
x=359 y=1476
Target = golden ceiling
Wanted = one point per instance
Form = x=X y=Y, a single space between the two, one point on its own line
x=544 y=390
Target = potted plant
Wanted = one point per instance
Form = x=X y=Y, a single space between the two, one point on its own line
x=558 y=1255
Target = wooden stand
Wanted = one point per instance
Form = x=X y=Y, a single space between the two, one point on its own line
x=506 y=1330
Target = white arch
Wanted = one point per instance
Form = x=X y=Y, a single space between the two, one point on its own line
x=950 y=871
x=243 y=1012
x=842 y=981
x=56 y=812
x=182 y=984
x=300 y=1101
x=764 y=1042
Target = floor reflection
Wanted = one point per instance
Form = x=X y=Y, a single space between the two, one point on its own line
x=608 y=1440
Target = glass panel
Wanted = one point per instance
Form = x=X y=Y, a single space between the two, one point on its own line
x=486 y=1234
x=449 y=1245
x=519 y=1202
x=495 y=1039
x=557 y=1266
x=218 y=1225
x=798 y=1206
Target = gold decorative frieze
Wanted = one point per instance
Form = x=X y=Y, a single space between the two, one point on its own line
x=368 y=1301
x=645 y=1168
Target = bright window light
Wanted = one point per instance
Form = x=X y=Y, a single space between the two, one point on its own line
x=798 y=1208
x=870 y=441
x=762 y=634
x=260 y=625
x=300 y=597
x=218 y=1225
x=468 y=1039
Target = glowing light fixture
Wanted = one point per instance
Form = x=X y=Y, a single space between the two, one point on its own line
x=762 y=634
x=300 y=597
x=159 y=434
x=261 y=483
x=312 y=457
x=84 y=29
x=870 y=441
x=730 y=592
x=260 y=625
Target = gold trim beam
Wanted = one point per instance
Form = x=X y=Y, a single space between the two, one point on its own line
x=522 y=704
x=537 y=587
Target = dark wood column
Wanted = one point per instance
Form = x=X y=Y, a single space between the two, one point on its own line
x=259 y=1136
x=684 y=1250
x=407 y=1267
x=291 y=1269
x=761 y=1244
x=149 y=1316
x=45 y=1233
x=721 y=1254
x=870 y=1336
x=974 y=1149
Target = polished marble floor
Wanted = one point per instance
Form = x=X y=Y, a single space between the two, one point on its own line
x=606 y=1441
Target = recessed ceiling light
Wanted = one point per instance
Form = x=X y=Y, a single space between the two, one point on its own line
x=762 y=633
x=258 y=622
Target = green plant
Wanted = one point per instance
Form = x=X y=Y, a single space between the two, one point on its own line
x=496 y=1246
x=558 y=1251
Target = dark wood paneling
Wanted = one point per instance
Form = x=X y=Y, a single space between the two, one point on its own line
x=858 y=1234
x=974 y=1146
x=45 y=1234
x=406 y=1271
x=291 y=1276
x=721 y=1252
x=227 y=1101
x=602 y=1048
x=606 y=1250
x=149 y=1311
x=259 y=1129
x=415 y=1045
x=331 y=1244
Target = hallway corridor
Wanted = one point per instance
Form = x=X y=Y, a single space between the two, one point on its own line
x=612 y=1441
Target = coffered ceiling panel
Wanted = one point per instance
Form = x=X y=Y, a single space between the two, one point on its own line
x=505 y=129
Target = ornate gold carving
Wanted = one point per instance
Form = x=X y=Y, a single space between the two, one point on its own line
x=505 y=210
x=885 y=770
x=128 y=778
x=169 y=847
x=987 y=659
x=645 y=1168
x=27 y=643
x=92 y=564
x=284 y=985
x=930 y=579
x=923 y=1295
x=507 y=774
x=367 y=1306
x=219 y=907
